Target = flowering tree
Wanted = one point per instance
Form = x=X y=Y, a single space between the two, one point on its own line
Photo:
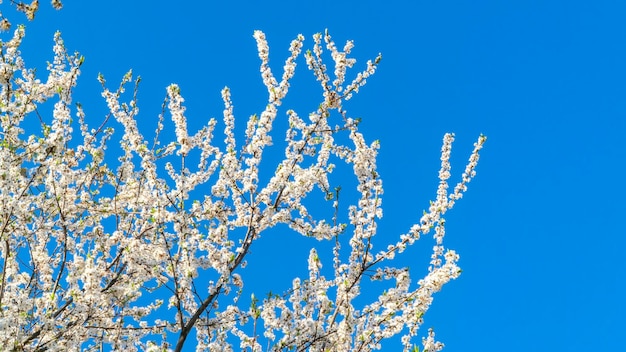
x=144 y=251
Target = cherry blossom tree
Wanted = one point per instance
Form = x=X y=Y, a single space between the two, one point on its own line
x=144 y=250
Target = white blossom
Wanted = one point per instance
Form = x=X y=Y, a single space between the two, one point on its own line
x=98 y=250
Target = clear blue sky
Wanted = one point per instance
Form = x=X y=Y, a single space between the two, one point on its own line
x=541 y=230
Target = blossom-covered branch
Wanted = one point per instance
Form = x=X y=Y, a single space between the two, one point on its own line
x=144 y=250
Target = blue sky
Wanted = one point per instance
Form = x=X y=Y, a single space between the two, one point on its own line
x=540 y=231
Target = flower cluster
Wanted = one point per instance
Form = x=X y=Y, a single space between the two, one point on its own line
x=28 y=9
x=144 y=252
